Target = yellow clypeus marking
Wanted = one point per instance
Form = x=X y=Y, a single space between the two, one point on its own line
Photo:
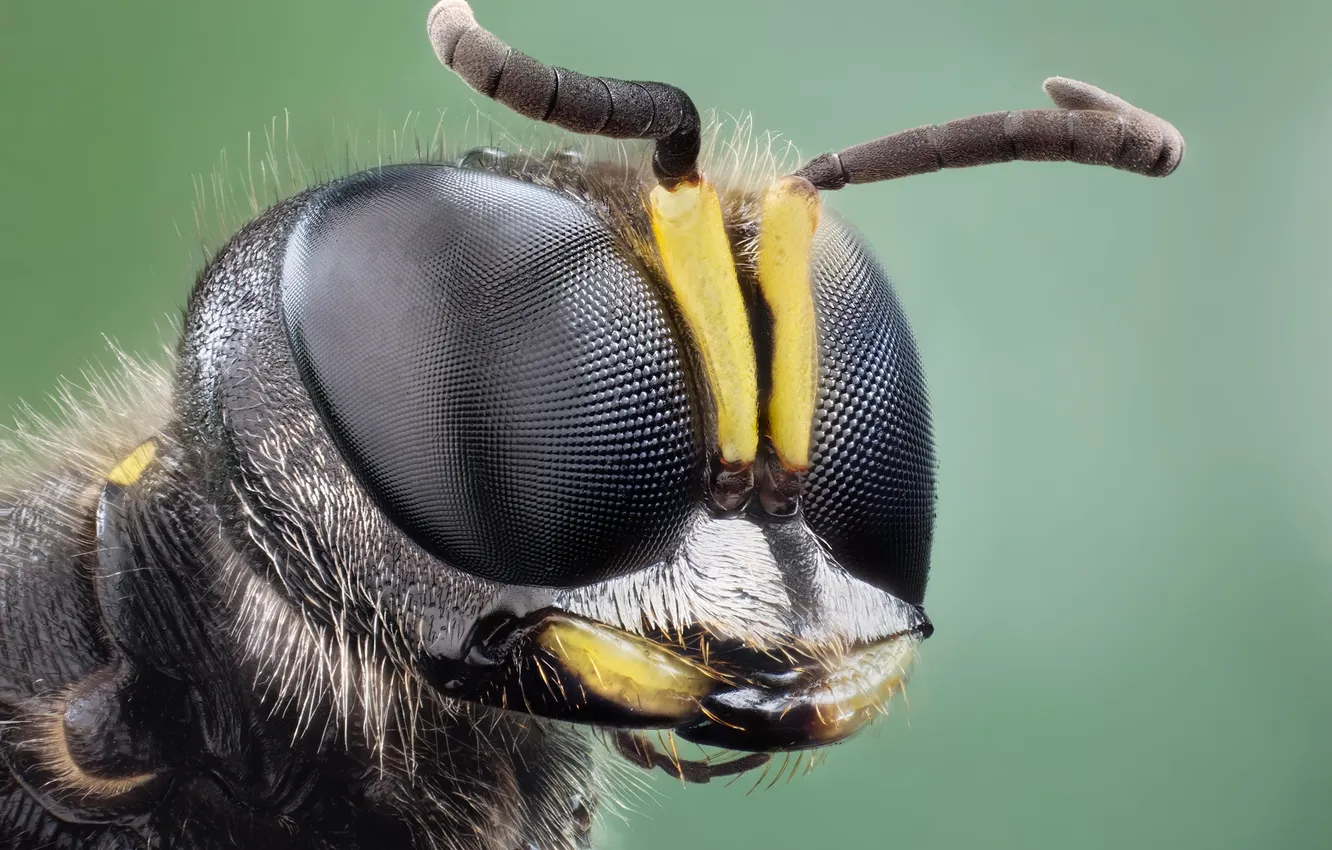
x=699 y=266
x=786 y=239
x=128 y=470
x=626 y=670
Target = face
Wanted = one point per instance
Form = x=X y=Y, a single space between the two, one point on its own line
x=645 y=450
x=517 y=473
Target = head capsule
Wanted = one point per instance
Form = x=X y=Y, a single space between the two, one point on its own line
x=639 y=450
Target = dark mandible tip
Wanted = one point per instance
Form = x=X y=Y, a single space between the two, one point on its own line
x=600 y=106
x=1090 y=126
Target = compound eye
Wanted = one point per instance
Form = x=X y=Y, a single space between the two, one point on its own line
x=871 y=481
x=497 y=370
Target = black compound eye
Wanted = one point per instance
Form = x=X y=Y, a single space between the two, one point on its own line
x=872 y=471
x=498 y=371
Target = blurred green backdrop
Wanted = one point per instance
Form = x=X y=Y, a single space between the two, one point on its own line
x=1133 y=574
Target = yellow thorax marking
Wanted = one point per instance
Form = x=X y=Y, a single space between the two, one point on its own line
x=128 y=470
x=786 y=239
x=696 y=256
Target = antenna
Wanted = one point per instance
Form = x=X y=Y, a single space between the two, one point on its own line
x=601 y=106
x=1090 y=126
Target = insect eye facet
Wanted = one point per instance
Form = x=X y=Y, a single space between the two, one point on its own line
x=498 y=371
x=871 y=481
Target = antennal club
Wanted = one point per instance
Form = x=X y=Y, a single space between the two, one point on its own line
x=1090 y=126
x=601 y=106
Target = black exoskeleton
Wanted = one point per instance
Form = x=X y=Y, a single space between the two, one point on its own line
x=469 y=475
x=134 y=715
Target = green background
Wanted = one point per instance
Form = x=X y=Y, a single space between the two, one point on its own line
x=1130 y=377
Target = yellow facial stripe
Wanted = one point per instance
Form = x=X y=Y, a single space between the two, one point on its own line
x=128 y=470
x=625 y=669
x=699 y=266
x=786 y=239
